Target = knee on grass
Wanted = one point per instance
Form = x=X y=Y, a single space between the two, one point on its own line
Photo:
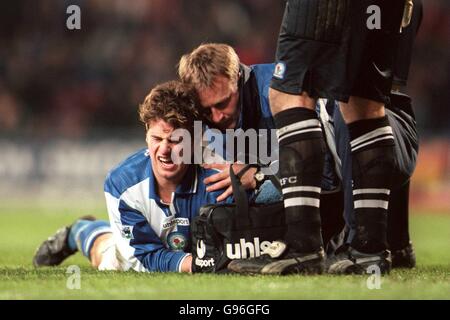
x=99 y=246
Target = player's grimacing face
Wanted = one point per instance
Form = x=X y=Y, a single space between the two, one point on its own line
x=161 y=143
x=220 y=102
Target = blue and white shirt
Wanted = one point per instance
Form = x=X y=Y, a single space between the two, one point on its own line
x=151 y=235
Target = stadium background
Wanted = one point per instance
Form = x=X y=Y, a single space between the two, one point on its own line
x=68 y=99
x=68 y=114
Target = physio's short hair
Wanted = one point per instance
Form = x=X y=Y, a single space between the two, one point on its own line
x=209 y=60
x=173 y=102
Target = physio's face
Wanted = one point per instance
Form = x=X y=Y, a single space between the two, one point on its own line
x=161 y=143
x=220 y=102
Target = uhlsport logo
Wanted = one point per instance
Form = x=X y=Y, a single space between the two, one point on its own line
x=280 y=68
x=204 y=263
x=244 y=250
x=201 y=251
x=177 y=241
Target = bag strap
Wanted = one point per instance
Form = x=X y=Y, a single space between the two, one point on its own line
x=240 y=198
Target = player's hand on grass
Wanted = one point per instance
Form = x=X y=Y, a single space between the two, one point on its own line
x=222 y=179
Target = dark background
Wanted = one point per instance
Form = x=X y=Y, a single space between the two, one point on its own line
x=57 y=82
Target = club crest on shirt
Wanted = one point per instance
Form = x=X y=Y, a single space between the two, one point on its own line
x=279 y=71
x=127 y=232
x=177 y=241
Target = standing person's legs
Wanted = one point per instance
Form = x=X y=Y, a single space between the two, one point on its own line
x=325 y=49
x=309 y=64
x=398 y=212
x=372 y=143
x=302 y=152
x=309 y=47
x=373 y=165
x=380 y=60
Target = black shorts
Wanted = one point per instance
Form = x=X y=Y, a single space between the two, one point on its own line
x=405 y=46
x=326 y=48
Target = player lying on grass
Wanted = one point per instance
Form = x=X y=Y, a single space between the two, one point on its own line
x=150 y=199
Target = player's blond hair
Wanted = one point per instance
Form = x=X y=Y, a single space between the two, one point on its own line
x=173 y=102
x=203 y=64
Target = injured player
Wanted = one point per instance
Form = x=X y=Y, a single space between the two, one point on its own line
x=151 y=199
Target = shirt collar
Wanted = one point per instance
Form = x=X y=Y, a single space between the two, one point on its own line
x=190 y=181
x=187 y=186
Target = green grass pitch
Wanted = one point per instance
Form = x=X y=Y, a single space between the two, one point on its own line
x=24 y=225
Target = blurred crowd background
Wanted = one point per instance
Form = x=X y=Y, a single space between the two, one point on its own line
x=57 y=81
x=77 y=84
x=54 y=81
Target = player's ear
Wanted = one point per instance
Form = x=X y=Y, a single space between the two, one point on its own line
x=146 y=132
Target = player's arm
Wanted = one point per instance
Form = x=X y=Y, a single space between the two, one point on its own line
x=148 y=247
x=133 y=230
x=137 y=242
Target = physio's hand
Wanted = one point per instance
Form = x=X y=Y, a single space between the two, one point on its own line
x=222 y=179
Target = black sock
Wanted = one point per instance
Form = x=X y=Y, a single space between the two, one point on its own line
x=398 y=218
x=372 y=146
x=302 y=152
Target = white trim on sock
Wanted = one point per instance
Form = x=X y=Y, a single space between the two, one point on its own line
x=371 y=204
x=301 y=201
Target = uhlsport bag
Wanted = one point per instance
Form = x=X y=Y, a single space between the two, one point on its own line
x=223 y=232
